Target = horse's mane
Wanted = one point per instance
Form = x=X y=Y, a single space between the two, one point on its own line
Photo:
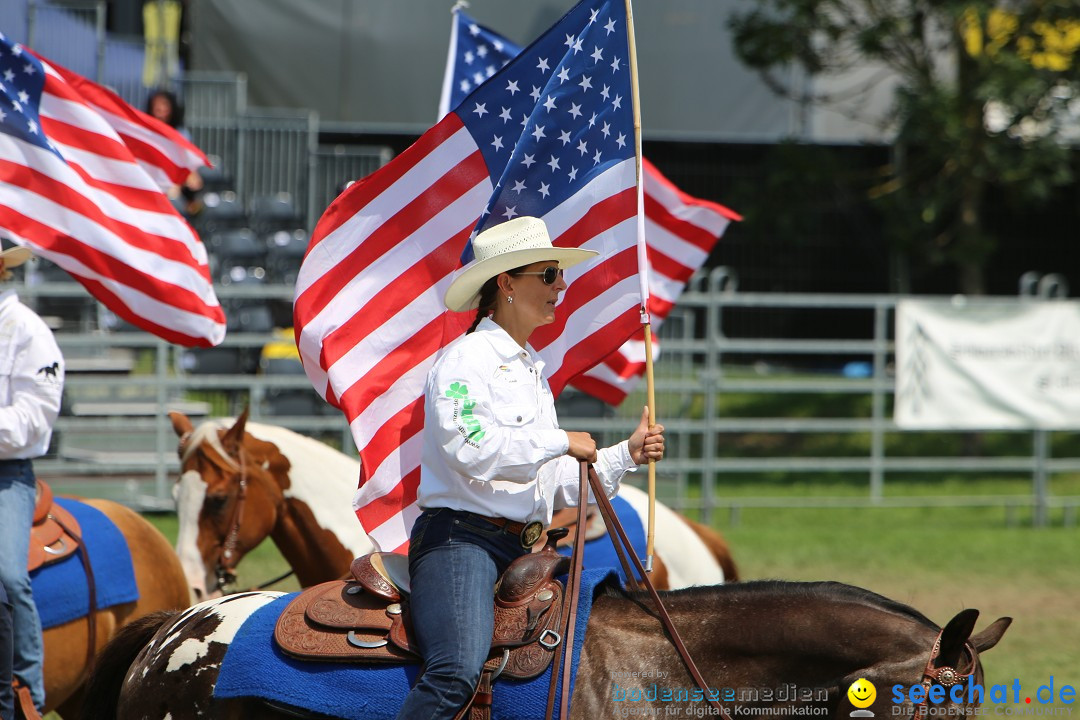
x=208 y=433
x=749 y=591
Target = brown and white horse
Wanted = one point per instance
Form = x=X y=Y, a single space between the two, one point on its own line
x=162 y=586
x=242 y=481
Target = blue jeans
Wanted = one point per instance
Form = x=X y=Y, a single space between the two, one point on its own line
x=7 y=695
x=16 y=517
x=454 y=560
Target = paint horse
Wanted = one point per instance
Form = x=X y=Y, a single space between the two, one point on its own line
x=244 y=481
x=159 y=579
x=763 y=648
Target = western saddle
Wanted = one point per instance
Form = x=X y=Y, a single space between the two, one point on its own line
x=366 y=618
x=55 y=533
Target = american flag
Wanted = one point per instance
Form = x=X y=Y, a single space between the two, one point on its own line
x=680 y=230
x=549 y=135
x=81 y=174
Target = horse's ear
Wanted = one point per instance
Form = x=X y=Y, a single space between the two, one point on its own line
x=181 y=423
x=955 y=634
x=989 y=637
x=234 y=437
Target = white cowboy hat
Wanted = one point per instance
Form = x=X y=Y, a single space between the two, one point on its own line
x=512 y=244
x=13 y=257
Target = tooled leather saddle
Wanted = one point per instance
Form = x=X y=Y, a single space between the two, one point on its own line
x=366 y=618
x=55 y=533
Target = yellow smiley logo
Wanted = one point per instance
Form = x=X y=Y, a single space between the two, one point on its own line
x=862 y=693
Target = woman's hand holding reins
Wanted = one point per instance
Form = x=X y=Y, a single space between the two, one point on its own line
x=647 y=442
x=582 y=446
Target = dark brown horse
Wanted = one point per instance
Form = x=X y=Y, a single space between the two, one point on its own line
x=162 y=586
x=763 y=646
x=298 y=491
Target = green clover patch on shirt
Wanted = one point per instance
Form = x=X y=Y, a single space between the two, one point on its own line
x=468 y=425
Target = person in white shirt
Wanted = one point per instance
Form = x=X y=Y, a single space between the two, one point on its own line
x=31 y=384
x=495 y=464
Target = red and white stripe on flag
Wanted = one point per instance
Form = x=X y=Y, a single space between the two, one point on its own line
x=87 y=195
x=680 y=232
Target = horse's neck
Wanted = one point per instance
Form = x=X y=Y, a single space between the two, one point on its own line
x=735 y=636
x=318 y=533
x=315 y=554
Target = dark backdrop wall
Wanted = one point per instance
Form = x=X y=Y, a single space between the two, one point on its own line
x=379 y=63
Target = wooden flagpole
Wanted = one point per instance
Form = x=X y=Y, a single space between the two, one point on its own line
x=643 y=264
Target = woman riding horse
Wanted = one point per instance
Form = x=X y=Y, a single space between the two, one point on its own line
x=495 y=463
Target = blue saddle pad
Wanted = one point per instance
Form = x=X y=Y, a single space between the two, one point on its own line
x=60 y=589
x=600 y=553
x=254 y=666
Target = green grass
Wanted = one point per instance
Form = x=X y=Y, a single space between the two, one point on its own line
x=940 y=561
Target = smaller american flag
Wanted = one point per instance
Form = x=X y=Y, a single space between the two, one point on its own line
x=81 y=173
x=476 y=53
x=680 y=230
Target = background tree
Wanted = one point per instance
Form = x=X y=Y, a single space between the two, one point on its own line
x=988 y=97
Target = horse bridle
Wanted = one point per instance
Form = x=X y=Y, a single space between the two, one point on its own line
x=946 y=675
x=225 y=565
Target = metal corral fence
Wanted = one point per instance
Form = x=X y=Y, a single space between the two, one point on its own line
x=836 y=350
x=718 y=346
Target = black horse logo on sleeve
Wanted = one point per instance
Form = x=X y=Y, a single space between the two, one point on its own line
x=50 y=371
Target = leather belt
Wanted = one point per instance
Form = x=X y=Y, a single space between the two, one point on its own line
x=529 y=533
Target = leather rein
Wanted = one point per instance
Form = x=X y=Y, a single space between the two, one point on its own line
x=621 y=541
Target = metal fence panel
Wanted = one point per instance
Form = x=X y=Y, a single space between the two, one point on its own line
x=214 y=95
x=702 y=362
x=263 y=152
x=275 y=149
x=337 y=165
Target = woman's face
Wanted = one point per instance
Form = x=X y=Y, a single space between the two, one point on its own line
x=161 y=108
x=535 y=300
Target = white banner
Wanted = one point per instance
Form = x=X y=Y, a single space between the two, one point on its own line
x=987 y=365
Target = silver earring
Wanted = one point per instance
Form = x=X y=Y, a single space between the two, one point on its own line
x=509 y=299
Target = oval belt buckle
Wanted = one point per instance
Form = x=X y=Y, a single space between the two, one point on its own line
x=531 y=533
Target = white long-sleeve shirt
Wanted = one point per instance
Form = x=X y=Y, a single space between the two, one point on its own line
x=491 y=443
x=31 y=380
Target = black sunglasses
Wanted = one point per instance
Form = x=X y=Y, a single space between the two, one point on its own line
x=550 y=274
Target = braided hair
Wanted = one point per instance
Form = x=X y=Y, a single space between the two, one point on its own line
x=489 y=296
